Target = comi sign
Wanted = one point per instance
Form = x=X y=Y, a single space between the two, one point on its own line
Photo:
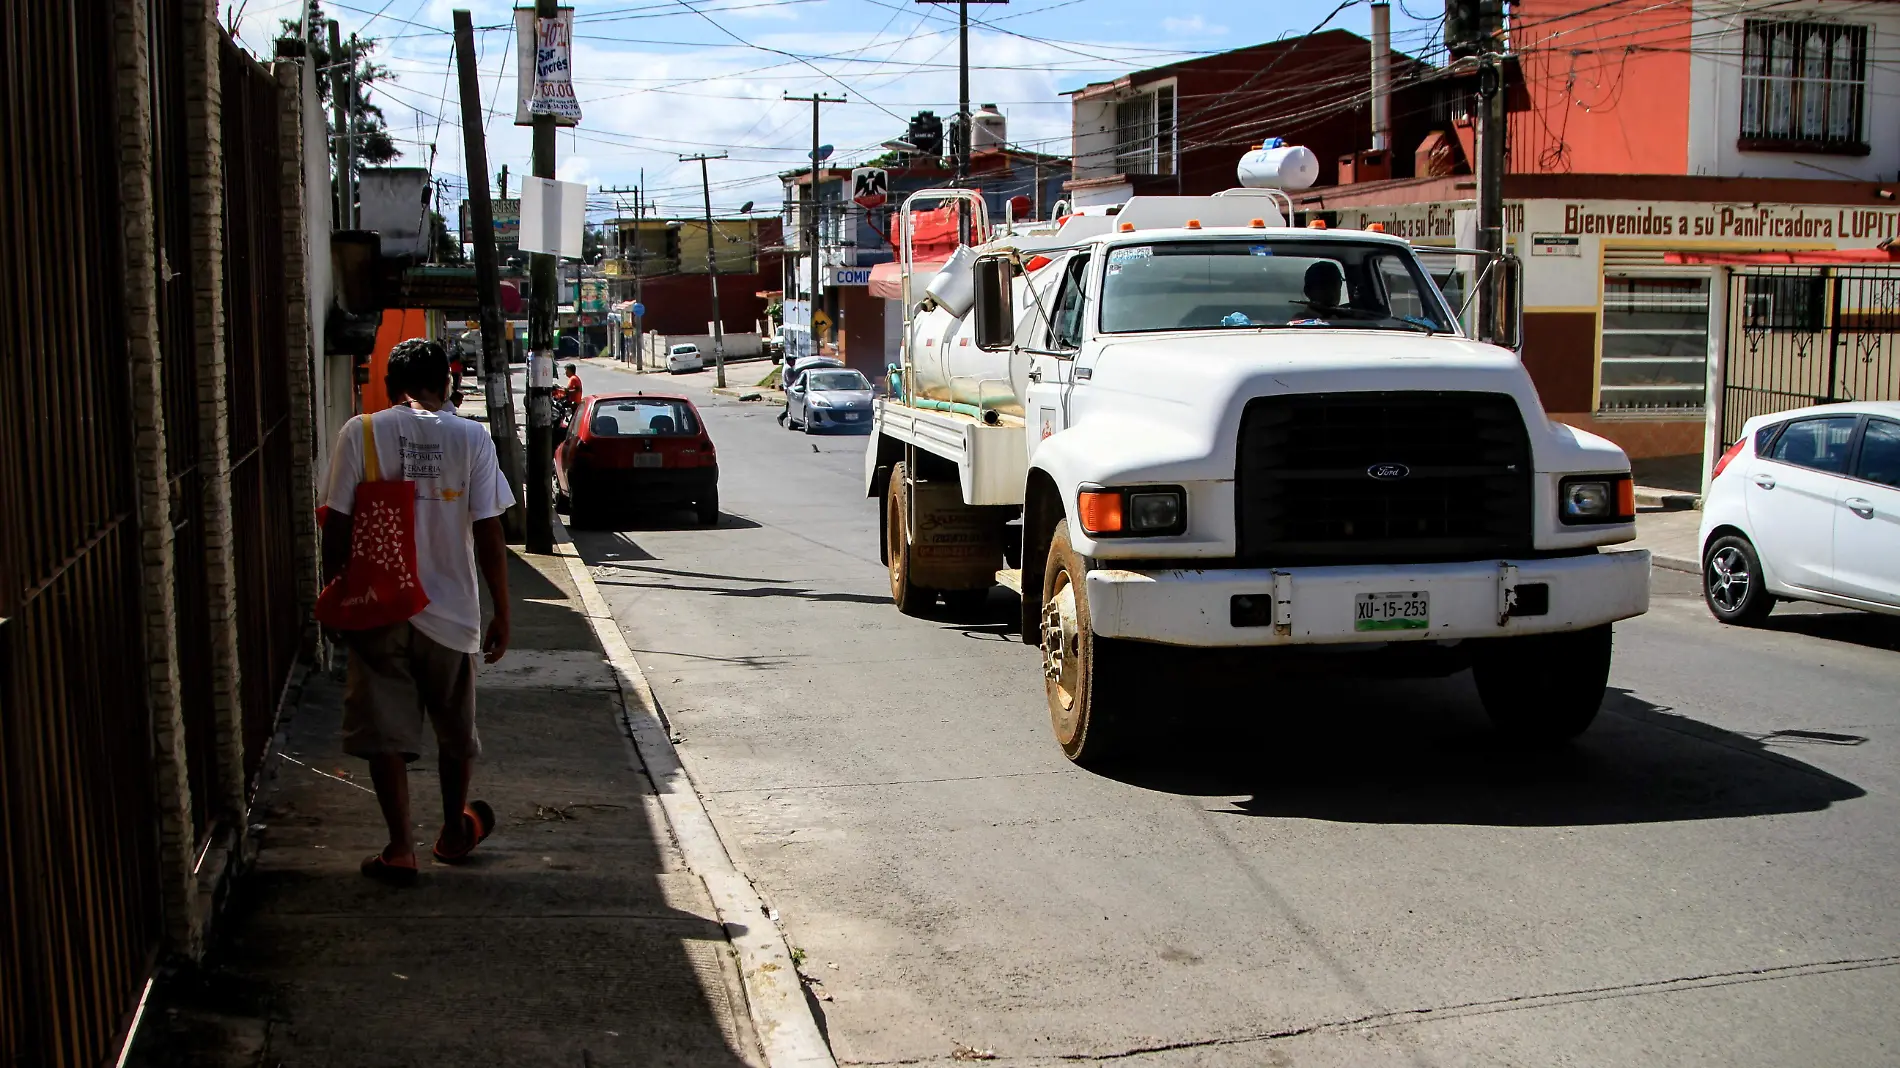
x=850 y=276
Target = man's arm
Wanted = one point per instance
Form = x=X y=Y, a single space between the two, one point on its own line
x=491 y=555
x=338 y=527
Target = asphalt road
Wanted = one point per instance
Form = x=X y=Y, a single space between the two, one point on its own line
x=1334 y=872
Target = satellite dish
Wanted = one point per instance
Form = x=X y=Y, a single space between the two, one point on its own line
x=745 y=207
x=824 y=152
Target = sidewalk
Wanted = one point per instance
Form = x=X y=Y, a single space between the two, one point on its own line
x=1670 y=537
x=578 y=937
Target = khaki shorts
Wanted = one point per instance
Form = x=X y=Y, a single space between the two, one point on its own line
x=398 y=675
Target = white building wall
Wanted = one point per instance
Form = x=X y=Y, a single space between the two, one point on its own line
x=1094 y=138
x=1715 y=93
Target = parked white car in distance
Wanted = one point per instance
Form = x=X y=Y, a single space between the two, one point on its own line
x=1806 y=507
x=682 y=358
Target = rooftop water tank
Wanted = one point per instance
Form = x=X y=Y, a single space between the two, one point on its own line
x=991 y=128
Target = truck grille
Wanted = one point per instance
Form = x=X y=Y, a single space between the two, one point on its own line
x=1457 y=482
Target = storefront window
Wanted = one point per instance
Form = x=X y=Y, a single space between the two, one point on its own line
x=1655 y=344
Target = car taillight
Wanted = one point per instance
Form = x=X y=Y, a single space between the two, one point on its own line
x=1733 y=451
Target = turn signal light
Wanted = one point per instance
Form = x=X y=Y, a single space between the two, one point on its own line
x=1194 y=224
x=1100 y=510
x=1316 y=224
x=1375 y=228
x=1258 y=224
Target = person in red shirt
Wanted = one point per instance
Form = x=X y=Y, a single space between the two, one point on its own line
x=571 y=393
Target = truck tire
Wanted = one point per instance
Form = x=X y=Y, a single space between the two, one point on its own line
x=910 y=598
x=1733 y=585
x=1543 y=688
x=1094 y=685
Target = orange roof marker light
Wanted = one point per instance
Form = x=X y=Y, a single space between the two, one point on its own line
x=1194 y=224
x=1128 y=228
x=1258 y=224
x=1375 y=228
x=1316 y=224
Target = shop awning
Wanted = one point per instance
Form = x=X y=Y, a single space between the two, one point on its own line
x=1817 y=258
x=887 y=279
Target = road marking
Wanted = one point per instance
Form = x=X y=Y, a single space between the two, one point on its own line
x=775 y=995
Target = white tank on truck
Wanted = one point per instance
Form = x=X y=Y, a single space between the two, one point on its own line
x=952 y=373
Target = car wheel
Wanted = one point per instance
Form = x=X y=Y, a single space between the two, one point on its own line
x=1732 y=582
x=562 y=503
x=708 y=509
x=1543 y=688
x=806 y=426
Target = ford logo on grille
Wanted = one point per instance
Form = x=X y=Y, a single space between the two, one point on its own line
x=1388 y=472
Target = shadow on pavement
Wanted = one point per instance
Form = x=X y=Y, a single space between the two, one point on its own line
x=1421 y=751
x=1870 y=629
x=642 y=519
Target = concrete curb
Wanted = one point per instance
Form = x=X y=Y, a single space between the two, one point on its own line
x=1675 y=563
x=775 y=995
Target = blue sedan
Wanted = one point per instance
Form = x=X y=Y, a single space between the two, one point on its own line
x=830 y=398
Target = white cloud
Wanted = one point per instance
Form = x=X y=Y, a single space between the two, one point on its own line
x=1192 y=26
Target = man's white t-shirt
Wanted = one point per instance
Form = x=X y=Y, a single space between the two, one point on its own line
x=452 y=462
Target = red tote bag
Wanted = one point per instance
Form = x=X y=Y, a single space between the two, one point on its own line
x=379 y=585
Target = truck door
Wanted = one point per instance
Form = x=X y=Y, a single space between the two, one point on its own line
x=1052 y=355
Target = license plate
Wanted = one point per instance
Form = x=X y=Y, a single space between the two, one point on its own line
x=850 y=417
x=1392 y=611
x=648 y=459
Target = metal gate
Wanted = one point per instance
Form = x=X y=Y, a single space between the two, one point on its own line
x=1809 y=335
x=79 y=902
x=258 y=397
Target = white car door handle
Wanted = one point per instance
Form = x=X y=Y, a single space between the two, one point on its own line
x=1035 y=374
x=1861 y=507
x=1765 y=481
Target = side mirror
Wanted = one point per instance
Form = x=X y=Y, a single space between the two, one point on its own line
x=995 y=314
x=1511 y=304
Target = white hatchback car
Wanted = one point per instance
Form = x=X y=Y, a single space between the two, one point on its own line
x=1806 y=507
x=683 y=358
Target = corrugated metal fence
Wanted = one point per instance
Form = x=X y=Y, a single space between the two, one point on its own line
x=77 y=839
x=258 y=395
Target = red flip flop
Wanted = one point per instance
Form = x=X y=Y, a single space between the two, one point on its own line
x=479 y=818
x=381 y=869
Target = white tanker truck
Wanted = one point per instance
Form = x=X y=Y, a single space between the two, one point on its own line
x=1180 y=427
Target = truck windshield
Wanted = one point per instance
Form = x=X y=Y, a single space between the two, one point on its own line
x=1221 y=285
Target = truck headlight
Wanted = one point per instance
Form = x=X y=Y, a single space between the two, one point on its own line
x=1144 y=511
x=1583 y=499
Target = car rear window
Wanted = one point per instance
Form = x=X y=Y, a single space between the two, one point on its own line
x=643 y=417
x=685 y=350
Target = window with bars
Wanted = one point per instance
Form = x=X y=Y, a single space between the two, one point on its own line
x=1655 y=344
x=1144 y=133
x=1804 y=86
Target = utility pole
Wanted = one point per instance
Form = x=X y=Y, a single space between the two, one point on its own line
x=541 y=308
x=504 y=181
x=639 y=271
x=712 y=270
x=1475 y=38
x=811 y=216
x=961 y=134
x=481 y=210
x=339 y=111
x=620 y=231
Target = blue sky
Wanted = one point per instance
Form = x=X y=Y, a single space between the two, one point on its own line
x=657 y=78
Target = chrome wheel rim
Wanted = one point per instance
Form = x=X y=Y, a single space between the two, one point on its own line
x=1728 y=579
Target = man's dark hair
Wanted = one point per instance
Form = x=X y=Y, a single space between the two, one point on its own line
x=570 y=369
x=419 y=364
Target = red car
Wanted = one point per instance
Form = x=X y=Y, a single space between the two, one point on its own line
x=635 y=448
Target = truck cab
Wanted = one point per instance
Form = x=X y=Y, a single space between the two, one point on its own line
x=1192 y=427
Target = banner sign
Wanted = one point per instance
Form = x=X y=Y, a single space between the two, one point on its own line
x=507 y=221
x=870 y=187
x=544 y=73
x=850 y=276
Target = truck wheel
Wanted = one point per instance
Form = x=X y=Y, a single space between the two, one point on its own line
x=911 y=599
x=1093 y=684
x=1543 y=687
x=1732 y=583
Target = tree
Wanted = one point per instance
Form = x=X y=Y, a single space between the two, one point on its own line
x=448 y=246
x=368 y=130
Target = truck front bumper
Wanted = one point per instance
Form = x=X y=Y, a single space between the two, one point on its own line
x=1316 y=605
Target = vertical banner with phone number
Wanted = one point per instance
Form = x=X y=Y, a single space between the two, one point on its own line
x=544 y=78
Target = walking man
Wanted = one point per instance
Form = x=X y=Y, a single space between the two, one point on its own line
x=424 y=668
